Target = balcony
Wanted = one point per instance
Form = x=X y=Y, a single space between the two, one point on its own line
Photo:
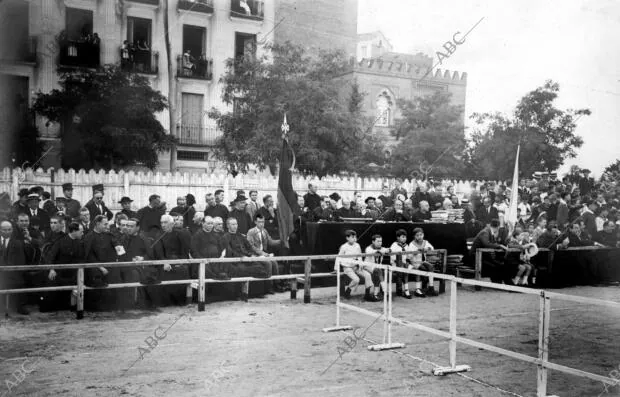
x=204 y=6
x=149 y=2
x=201 y=69
x=196 y=135
x=139 y=61
x=76 y=53
x=247 y=9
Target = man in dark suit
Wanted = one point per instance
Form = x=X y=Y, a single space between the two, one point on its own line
x=49 y=205
x=96 y=206
x=311 y=199
x=491 y=265
x=216 y=208
x=588 y=217
x=21 y=205
x=487 y=212
x=73 y=206
x=240 y=214
x=35 y=211
x=126 y=204
x=12 y=253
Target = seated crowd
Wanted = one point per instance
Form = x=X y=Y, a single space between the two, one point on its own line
x=36 y=230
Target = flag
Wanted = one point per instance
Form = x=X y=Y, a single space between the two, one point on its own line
x=511 y=215
x=287 y=198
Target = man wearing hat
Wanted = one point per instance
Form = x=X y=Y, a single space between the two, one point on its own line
x=126 y=204
x=96 y=206
x=21 y=205
x=586 y=183
x=73 y=206
x=34 y=211
x=244 y=221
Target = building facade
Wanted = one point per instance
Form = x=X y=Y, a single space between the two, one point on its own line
x=40 y=38
x=388 y=77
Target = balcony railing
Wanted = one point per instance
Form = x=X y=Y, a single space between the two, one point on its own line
x=204 y=6
x=80 y=54
x=249 y=9
x=150 y=2
x=198 y=135
x=139 y=61
x=201 y=68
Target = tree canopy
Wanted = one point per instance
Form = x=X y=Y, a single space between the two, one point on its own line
x=431 y=138
x=546 y=133
x=327 y=129
x=107 y=117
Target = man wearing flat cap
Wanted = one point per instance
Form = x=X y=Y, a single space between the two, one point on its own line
x=126 y=204
x=21 y=205
x=73 y=206
x=96 y=206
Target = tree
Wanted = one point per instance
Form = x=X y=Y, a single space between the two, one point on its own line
x=327 y=129
x=107 y=117
x=545 y=132
x=430 y=137
x=610 y=180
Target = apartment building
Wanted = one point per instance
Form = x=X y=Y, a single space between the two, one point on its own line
x=41 y=38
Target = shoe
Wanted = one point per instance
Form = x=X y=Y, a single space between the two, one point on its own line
x=371 y=298
x=515 y=280
x=406 y=294
x=347 y=293
x=430 y=291
x=418 y=293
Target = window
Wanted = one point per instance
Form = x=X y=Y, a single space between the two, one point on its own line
x=192 y=156
x=194 y=39
x=79 y=24
x=364 y=48
x=139 y=31
x=384 y=109
x=245 y=45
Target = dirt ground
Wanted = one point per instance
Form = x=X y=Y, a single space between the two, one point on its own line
x=275 y=347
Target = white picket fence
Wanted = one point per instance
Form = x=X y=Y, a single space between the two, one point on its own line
x=140 y=185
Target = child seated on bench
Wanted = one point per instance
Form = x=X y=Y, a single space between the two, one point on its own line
x=401 y=260
x=369 y=261
x=352 y=267
x=418 y=259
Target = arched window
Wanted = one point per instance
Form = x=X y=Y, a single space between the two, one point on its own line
x=384 y=109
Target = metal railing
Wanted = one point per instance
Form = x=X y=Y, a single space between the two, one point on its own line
x=542 y=359
x=256 y=9
x=198 y=135
x=79 y=54
x=204 y=6
x=201 y=68
x=139 y=61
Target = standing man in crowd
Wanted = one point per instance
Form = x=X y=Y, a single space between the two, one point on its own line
x=252 y=207
x=149 y=217
x=73 y=206
x=69 y=249
x=244 y=221
x=270 y=214
x=12 y=253
x=182 y=209
x=311 y=199
x=84 y=220
x=218 y=209
x=34 y=211
x=126 y=204
x=96 y=206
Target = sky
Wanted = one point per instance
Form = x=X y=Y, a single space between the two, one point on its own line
x=517 y=47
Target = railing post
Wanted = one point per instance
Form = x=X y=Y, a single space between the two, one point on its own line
x=307 y=281
x=478 y=269
x=452 y=344
x=80 y=294
x=543 y=343
x=294 y=288
x=201 y=286
x=245 y=290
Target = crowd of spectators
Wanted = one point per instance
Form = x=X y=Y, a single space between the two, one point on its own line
x=38 y=230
